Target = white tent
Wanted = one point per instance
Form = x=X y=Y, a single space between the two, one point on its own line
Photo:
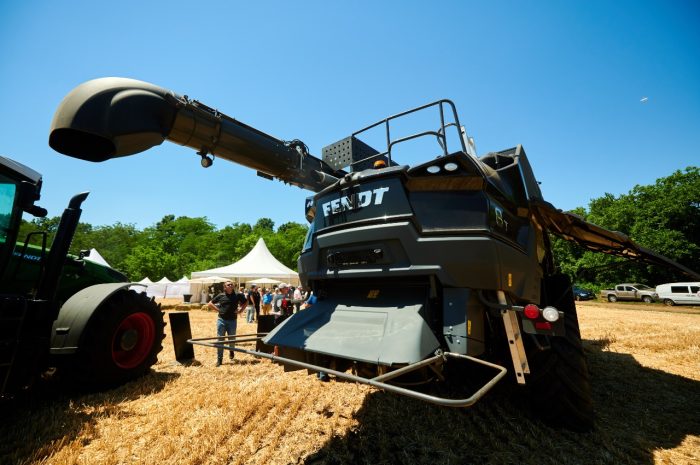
x=159 y=288
x=145 y=282
x=95 y=257
x=208 y=280
x=199 y=287
x=264 y=281
x=259 y=263
x=178 y=288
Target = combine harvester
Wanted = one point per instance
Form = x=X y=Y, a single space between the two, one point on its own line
x=422 y=272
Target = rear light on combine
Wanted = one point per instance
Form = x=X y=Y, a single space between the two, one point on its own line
x=543 y=325
x=550 y=314
x=450 y=167
x=531 y=311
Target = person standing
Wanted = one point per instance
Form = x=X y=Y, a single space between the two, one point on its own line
x=280 y=303
x=250 y=307
x=266 y=302
x=228 y=305
x=254 y=295
x=297 y=298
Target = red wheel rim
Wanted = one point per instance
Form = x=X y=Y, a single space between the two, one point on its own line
x=133 y=339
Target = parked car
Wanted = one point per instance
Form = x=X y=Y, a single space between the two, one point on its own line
x=582 y=294
x=630 y=291
x=679 y=293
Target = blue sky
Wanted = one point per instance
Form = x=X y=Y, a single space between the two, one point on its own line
x=563 y=78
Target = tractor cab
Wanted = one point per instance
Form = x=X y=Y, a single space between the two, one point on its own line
x=20 y=188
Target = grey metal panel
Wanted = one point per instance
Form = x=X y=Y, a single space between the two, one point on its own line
x=454 y=315
x=387 y=334
x=458 y=261
x=347 y=151
x=75 y=314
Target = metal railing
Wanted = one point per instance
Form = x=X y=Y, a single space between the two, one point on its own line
x=440 y=134
x=229 y=343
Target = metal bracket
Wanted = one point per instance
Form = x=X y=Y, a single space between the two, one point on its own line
x=515 y=340
x=228 y=343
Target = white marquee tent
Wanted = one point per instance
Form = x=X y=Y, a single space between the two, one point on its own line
x=94 y=256
x=164 y=287
x=167 y=288
x=199 y=287
x=258 y=264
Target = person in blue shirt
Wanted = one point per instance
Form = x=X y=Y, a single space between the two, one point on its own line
x=266 y=302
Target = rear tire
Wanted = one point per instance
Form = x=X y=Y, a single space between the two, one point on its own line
x=669 y=302
x=612 y=298
x=559 y=385
x=121 y=341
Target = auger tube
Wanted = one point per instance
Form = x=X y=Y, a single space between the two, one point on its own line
x=115 y=117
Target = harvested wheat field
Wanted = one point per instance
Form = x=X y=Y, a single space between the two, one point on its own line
x=644 y=362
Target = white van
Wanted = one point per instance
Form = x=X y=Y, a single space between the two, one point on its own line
x=679 y=293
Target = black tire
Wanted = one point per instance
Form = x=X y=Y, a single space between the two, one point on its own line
x=669 y=302
x=121 y=341
x=647 y=299
x=612 y=298
x=558 y=385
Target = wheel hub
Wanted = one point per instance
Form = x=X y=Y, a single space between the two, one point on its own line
x=133 y=340
x=129 y=339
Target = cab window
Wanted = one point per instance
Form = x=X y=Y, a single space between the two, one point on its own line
x=7 y=202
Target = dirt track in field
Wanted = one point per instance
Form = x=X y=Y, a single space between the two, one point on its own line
x=643 y=359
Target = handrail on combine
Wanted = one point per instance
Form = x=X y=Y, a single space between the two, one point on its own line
x=440 y=134
x=229 y=342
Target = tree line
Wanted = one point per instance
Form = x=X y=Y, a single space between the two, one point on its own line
x=663 y=217
x=175 y=247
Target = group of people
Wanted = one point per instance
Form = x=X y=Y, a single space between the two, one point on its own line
x=281 y=301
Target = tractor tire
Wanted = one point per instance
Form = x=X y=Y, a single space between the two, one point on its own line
x=559 y=387
x=612 y=298
x=121 y=341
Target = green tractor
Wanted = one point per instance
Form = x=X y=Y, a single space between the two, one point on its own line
x=60 y=312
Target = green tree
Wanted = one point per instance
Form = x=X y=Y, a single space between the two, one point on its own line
x=150 y=261
x=264 y=227
x=290 y=239
x=663 y=217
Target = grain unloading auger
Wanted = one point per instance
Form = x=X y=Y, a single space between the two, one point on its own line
x=115 y=117
x=420 y=271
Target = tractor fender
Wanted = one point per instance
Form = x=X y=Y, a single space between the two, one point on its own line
x=75 y=315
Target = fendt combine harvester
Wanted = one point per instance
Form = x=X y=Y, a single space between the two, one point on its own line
x=421 y=272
